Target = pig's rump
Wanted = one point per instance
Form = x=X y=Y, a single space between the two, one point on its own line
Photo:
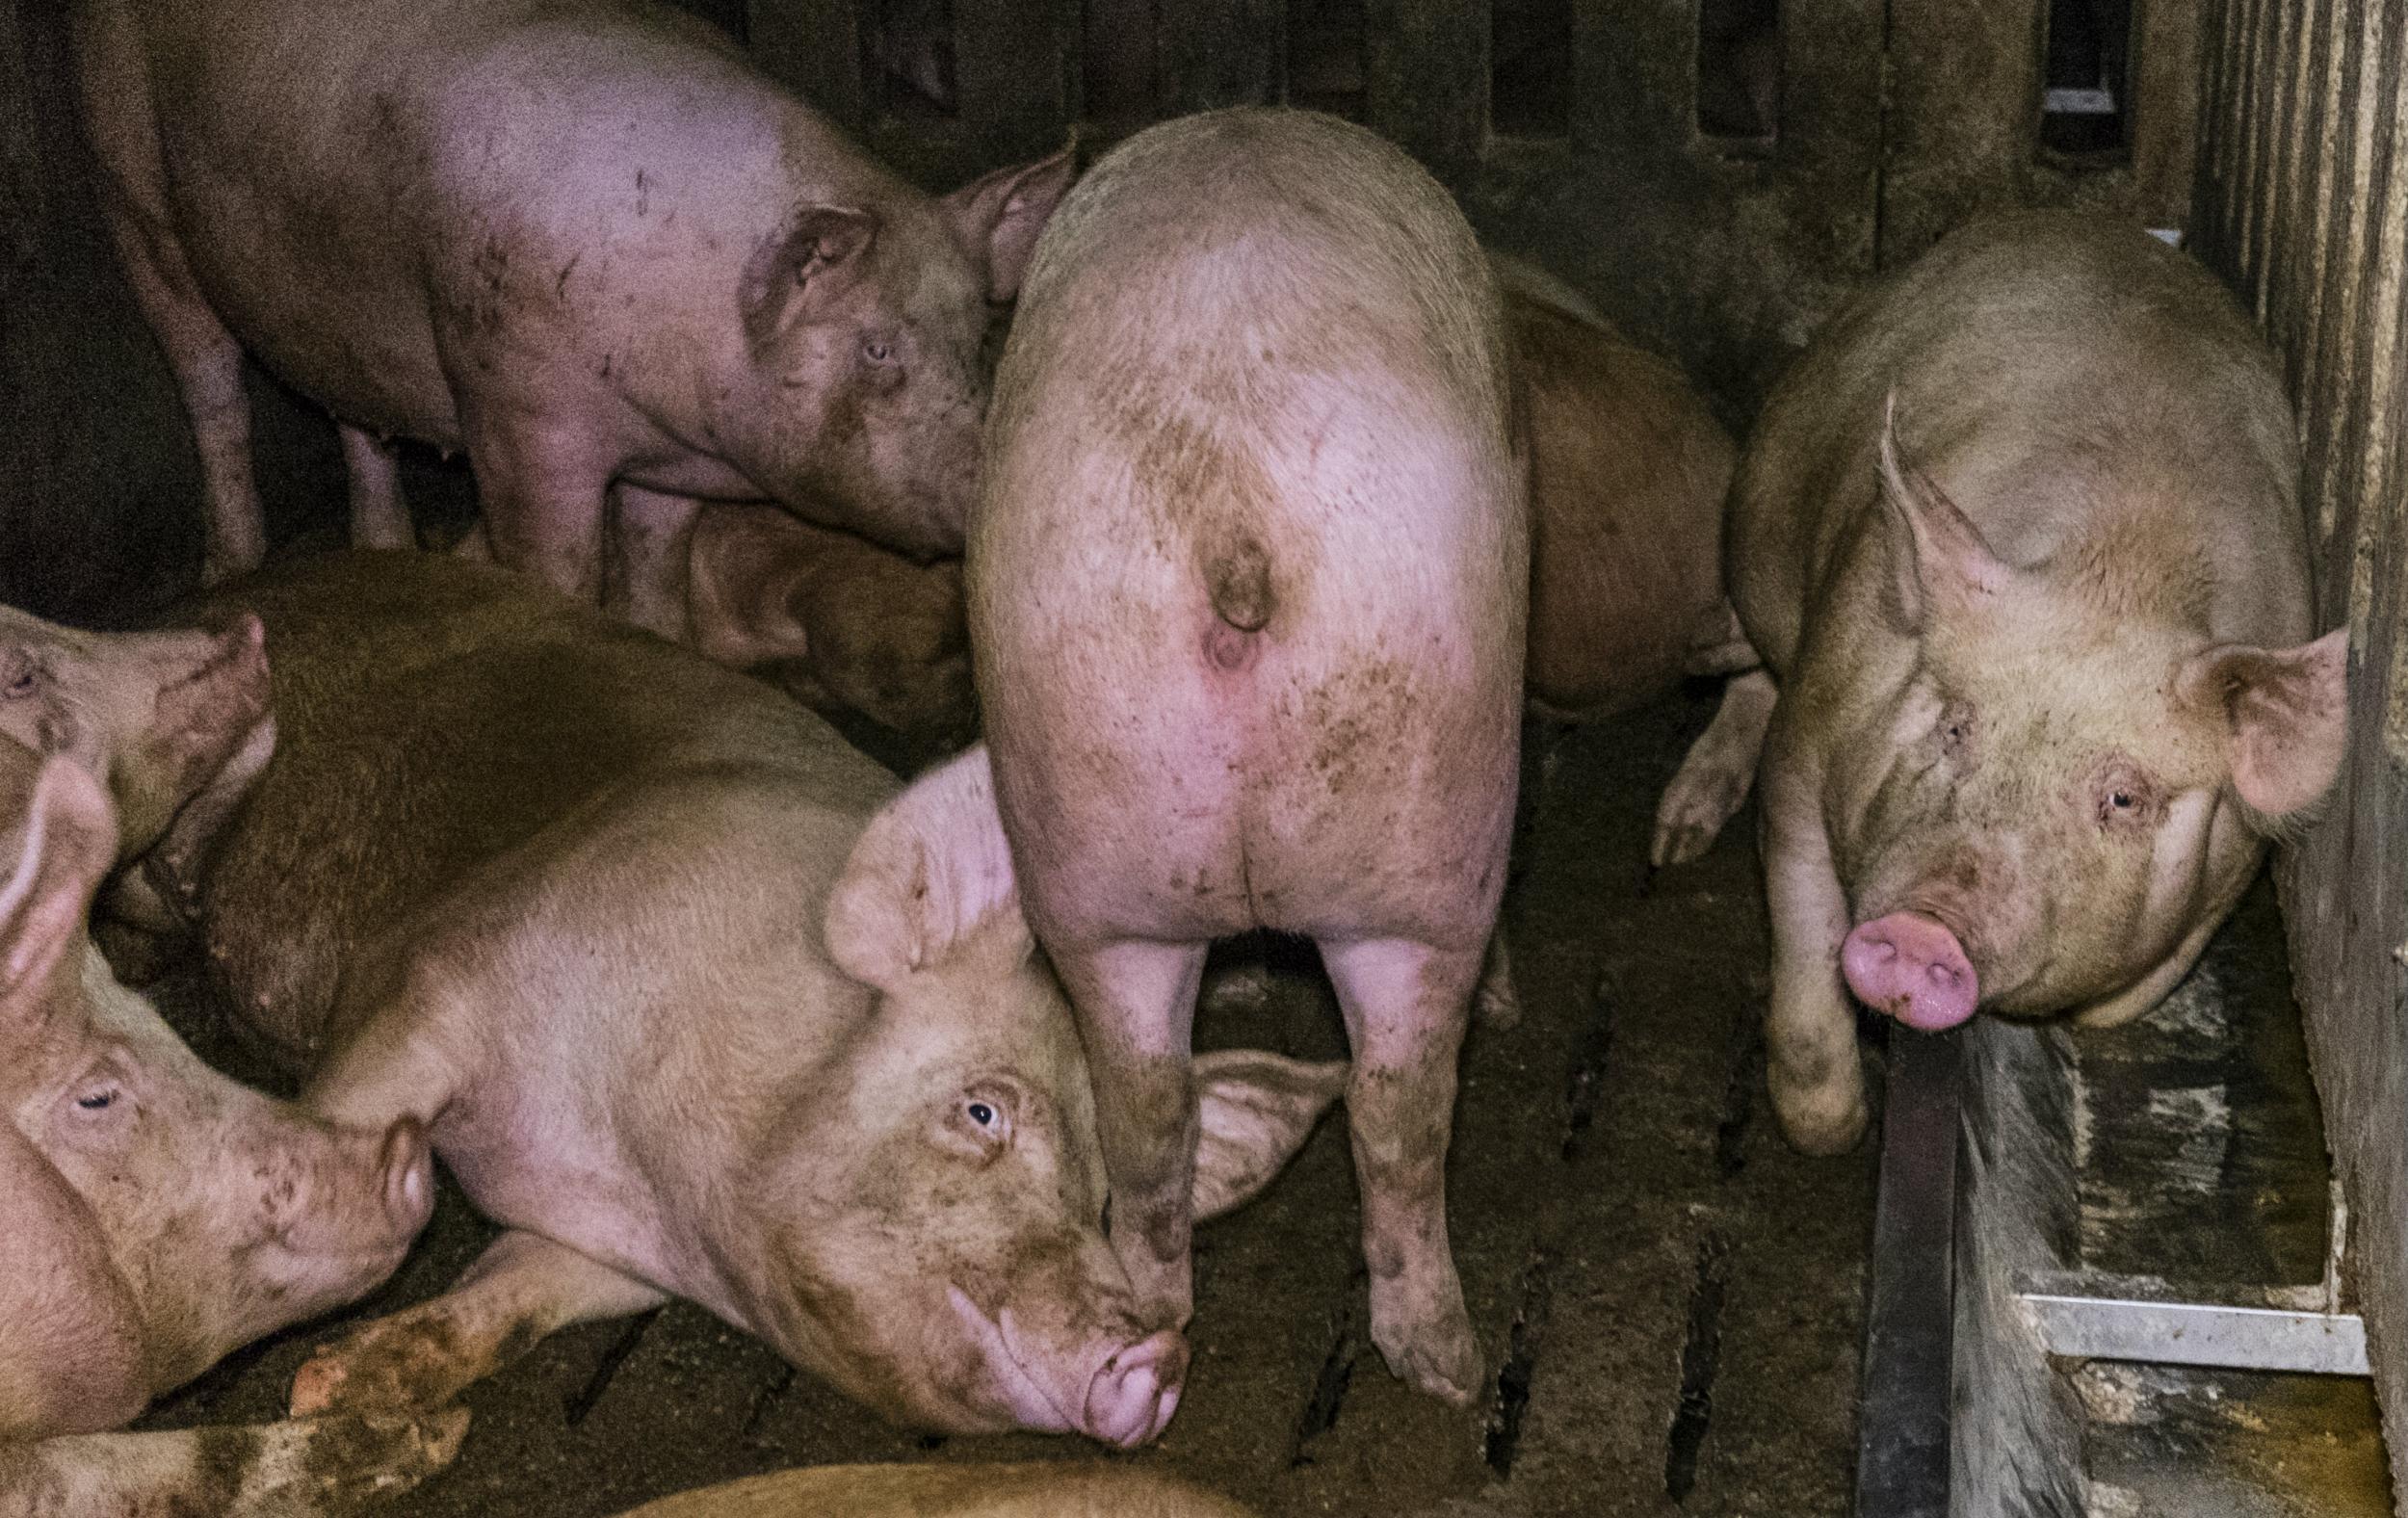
x=1293 y=704
x=415 y=168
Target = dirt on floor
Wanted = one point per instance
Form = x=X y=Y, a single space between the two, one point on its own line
x=1670 y=1299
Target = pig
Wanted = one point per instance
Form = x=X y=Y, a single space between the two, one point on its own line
x=159 y=1214
x=1248 y=587
x=587 y=243
x=175 y=723
x=2019 y=539
x=836 y=621
x=694 y=1004
x=1047 y=1490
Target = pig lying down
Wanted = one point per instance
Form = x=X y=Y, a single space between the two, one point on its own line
x=1247 y=595
x=154 y=1214
x=691 y=1002
x=587 y=243
x=1051 y=1490
x=2019 y=539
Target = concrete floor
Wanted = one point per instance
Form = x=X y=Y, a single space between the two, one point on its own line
x=1671 y=1300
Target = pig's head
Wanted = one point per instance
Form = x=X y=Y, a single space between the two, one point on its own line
x=2056 y=789
x=956 y=1272
x=160 y=1215
x=836 y=621
x=159 y=717
x=867 y=329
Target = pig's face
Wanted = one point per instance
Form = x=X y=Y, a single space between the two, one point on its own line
x=2050 y=797
x=156 y=716
x=191 y=1213
x=959 y=1277
x=867 y=330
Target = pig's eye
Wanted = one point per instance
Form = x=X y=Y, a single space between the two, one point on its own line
x=2124 y=798
x=18 y=678
x=96 y=1101
x=982 y=1114
x=877 y=349
x=981 y=1117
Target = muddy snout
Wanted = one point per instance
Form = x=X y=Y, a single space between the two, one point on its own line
x=364 y=1201
x=1133 y=1393
x=1909 y=966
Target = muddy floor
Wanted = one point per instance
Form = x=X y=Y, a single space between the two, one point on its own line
x=1669 y=1300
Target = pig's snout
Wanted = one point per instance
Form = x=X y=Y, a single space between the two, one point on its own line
x=1130 y=1400
x=1909 y=966
x=408 y=1164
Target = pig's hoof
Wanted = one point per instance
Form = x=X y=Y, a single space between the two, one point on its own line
x=1427 y=1344
x=1690 y=816
x=1497 y=1003
x=387 y=1367
x=1820 y=1125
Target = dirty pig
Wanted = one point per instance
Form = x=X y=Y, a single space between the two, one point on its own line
x=835 y=621
x=159 y=1216
x=588 y=243
x=1246 y=591
x=2019 y=539
x=694 y=1004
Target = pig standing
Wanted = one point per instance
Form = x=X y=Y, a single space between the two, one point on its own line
x=586 y=241
x=692 y=1002
x=2018 y=537
x=1047 y=1490
x=155 y=1216
x=1246 y=597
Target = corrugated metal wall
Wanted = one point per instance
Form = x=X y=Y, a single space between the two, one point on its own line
x=2303 y=202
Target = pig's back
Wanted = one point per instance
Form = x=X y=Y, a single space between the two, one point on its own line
x=432 y=716
x=450 y=178
x=1248 y=587
x=2067 y=382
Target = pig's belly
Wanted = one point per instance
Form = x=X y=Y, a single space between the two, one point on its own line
x=1347 y=795
x=322 y=290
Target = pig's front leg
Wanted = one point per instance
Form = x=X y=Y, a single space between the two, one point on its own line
x=521 y=1289
x=654 y=540
x=1136 y=1003
x=1714 y=777
x=379 y=518
x=296 y=1468
x=1810 y=1030
x=542 y=489
x=1406 y=1005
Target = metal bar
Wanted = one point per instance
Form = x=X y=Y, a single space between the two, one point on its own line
x=1903 y=1443
x=2194 y=1333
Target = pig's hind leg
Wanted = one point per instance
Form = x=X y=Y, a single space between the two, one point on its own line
x=542 y=489
x=1406 y=1005
x=523 y=1288
x=1135 y=1004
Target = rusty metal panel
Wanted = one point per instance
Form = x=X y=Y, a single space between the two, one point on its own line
x=2304 y=204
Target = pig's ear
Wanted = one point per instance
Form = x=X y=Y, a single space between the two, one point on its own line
x=929 y=881
x=1254 y=1110
x=1003 y=214
x=66 y=840
x=2286 y=716
x=815 y=255
x=744 y=571
x=1936 y=553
